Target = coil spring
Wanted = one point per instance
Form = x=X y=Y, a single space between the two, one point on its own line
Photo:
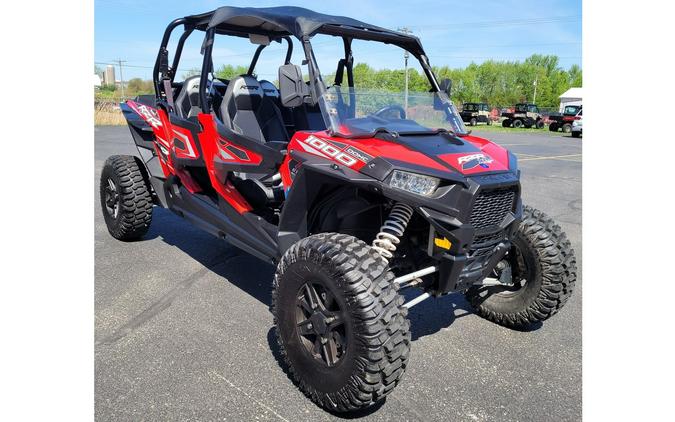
x=386 y=240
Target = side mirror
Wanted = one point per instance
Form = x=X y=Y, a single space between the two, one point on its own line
x=446 y=86
x=292 y=88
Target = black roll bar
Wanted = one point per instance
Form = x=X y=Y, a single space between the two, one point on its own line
x=256 y=55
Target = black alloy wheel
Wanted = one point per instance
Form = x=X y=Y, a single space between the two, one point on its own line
x=320 y=323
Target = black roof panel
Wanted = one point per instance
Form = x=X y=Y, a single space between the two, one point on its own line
x=297 y=21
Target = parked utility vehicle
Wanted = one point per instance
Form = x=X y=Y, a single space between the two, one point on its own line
x=524 y=114
x=564 y=120
x=349 y=196
x=474 y=113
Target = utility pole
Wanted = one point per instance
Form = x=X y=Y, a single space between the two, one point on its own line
x=119 y=63
x=534 y=100
x=406 y=30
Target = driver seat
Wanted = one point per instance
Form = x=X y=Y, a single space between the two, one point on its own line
x=248 y=111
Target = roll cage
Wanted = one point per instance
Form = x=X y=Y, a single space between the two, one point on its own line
x=277 y=24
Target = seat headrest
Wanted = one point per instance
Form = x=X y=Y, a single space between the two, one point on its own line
x=191 y=84
x=246 y=92
x=269 y=89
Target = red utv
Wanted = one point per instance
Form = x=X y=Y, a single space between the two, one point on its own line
x=353 y=195
x=565 y=119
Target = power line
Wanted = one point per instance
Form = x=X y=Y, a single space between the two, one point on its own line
x=502 y=22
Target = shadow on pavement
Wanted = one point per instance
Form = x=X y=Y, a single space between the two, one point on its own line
x=254 y=276
x=245 y=271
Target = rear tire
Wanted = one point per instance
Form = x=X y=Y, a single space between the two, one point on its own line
x=473 y=121
x=489 y=122
x=517 y=123
x=546 y=261
x=506 y=123
x=355 y=287
x=539 y=124
x=553 y=127
x=566 y=128
x=126 y=201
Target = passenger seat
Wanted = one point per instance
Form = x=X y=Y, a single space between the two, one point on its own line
x=248 y=111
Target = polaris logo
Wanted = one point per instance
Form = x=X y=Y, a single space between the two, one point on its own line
x=470 y=161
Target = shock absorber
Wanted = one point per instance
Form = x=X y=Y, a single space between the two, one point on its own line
x=386 y=240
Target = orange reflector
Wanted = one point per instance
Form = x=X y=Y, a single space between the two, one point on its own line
x=442 y=243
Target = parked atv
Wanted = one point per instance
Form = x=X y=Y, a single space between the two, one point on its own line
x=474 y=113
x=353 y=196
x=565 y=119
x=524 y=114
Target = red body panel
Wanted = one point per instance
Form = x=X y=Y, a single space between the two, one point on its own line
x=353 y=153
x=492 y=156
x=210 y=142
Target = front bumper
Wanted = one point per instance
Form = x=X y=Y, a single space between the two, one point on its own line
x=476 y=247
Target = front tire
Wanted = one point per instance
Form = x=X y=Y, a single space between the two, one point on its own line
x=473 y=121
x=340 y=323
x=566 y=128
x=543 y=259
x=126 y=201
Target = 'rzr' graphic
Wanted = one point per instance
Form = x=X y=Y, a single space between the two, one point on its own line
x=148 y=114
x=470 y=161
x=322 y=148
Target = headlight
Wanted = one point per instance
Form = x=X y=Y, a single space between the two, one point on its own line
x=575 y=123
x=415 y=183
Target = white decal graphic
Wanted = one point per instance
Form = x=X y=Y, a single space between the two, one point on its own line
x=319 y=147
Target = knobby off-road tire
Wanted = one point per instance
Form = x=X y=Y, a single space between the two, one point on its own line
x=539 y=124
x=517 y=123
x=375 y=335
x=126 y=201
x=566 y=128
x=473 y=121
x=547 y=259
x=506 y=123
x=553 y=127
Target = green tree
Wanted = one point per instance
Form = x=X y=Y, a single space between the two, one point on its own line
x=228 y=71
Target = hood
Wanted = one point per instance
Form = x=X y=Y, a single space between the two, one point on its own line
x=467 y=155
x=438 y=153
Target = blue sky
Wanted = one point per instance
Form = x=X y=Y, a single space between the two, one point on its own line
x=453 y=33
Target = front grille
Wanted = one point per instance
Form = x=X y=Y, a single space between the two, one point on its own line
x=491 y=206
x=488 y=239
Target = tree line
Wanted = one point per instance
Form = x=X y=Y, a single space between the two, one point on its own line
x=498 y=83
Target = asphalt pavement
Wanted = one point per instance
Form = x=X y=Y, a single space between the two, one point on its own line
x=183 y=328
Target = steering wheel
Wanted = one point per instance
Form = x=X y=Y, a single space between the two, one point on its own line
x=394 y=107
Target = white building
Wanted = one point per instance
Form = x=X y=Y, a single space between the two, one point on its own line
x=570 y=97
x=97 y=81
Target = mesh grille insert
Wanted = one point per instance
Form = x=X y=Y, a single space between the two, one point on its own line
x=491 y=206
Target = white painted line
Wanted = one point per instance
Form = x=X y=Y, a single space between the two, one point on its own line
x=263 y=405
x=554 y=157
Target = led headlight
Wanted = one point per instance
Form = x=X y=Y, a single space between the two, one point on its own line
x=415 y=183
